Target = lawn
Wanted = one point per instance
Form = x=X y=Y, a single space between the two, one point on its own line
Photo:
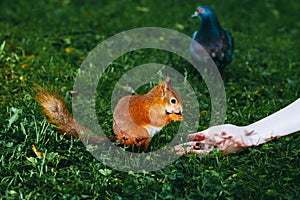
x=45 y=42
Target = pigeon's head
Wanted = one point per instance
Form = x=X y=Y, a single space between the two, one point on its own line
x=203 y=12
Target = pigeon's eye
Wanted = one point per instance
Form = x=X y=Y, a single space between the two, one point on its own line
x=201 y=10
x=173 y=100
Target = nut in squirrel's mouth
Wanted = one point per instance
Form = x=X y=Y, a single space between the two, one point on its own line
x=173 y=112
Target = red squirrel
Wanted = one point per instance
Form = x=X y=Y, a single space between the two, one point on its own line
x=136 y=118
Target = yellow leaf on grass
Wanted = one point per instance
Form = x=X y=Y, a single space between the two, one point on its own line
x=179 y=26
x=30 y=56
x=24 y=66
x=69 y=49
x=37 y=153
x=40 y=154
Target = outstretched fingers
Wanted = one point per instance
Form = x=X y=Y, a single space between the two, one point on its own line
x=195 y=147
x=227 y=137
x=196 y=136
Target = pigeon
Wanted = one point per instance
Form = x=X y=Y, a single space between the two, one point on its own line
x=217 y=41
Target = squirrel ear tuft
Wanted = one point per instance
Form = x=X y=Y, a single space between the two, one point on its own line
x=166 y=84
x=168 y=81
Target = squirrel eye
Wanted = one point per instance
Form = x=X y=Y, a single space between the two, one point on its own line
x=173 y=100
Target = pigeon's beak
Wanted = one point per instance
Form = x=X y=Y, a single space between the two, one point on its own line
x=195 y=14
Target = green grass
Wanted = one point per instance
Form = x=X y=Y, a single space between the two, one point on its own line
x=263 y=78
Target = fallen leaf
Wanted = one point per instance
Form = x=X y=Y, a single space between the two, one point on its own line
x=179 y=26
x=30 y=56
x=37 y=153
x=40 y=154
x=24 y=66
x=69 y=49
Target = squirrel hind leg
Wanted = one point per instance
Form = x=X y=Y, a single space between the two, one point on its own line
x=137 y=137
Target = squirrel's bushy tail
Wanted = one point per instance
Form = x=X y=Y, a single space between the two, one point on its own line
x=57 y=113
